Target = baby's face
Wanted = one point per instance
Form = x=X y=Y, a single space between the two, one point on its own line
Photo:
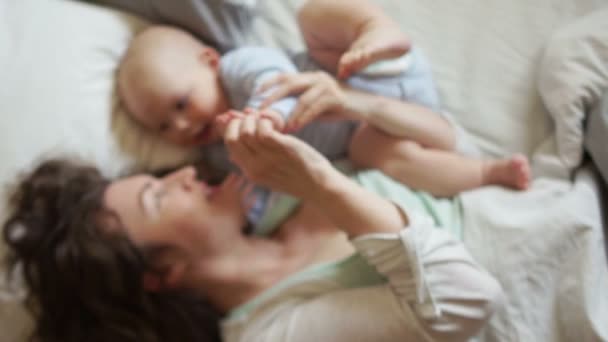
x=180 y=101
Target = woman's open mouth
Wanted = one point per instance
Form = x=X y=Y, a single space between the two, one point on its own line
x=208 y=190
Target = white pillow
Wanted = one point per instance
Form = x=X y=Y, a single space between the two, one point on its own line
x=59 y=90
x=57 y=65
x=573 y=76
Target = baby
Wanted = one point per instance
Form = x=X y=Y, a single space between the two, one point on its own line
x=173 y=84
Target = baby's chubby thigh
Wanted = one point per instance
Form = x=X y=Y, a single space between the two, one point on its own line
x=408 y=78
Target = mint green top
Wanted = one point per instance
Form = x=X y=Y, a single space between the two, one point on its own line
x=445 y=212
x=355 y=271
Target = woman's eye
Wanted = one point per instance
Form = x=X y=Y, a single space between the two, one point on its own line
x=159 y=197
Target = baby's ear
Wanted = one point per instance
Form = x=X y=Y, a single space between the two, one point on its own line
x=210 y=56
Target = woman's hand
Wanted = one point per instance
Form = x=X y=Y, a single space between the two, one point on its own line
x=278 y=161
x=320 y=93
x=232 y=192
x=284 y=163
x=222 y=120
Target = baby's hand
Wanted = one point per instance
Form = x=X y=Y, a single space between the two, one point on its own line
x=222 y=120
x=278 y=123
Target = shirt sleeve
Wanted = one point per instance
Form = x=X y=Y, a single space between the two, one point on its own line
x=435 y=292
x=244 y=70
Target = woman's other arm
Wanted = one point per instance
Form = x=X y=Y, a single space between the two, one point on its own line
x=322 y=96
x=435 y=290
x=284 y=163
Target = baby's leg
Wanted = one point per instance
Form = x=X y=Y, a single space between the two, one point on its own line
x=344 y=36
x=442 y=173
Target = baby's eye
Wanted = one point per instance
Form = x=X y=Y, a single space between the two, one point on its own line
x=181 y=104
x=163 y=127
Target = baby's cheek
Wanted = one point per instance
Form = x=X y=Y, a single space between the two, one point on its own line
x=176 y=138
x=203 y=108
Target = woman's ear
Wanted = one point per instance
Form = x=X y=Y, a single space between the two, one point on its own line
x=173 y=278
x=210 y=56
x=152 y=282
x=170 y=279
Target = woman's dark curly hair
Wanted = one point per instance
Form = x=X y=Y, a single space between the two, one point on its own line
x=84 y=279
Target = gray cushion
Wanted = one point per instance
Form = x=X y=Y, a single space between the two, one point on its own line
x=218 y=22
x=596 y=138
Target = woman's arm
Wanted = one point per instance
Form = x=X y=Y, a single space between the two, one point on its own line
x=400 y=119
x=284 y=163
x=321 y=94
x=354 y=209
x=435 y=291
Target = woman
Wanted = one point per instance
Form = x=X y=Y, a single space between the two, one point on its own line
x=162 y=259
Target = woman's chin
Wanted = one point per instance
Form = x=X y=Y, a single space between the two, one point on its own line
x=231 y=217
x=247 y=229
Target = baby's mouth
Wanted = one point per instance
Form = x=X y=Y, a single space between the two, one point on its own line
x=202 y=135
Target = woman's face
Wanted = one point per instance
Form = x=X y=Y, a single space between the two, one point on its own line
x=176 y=210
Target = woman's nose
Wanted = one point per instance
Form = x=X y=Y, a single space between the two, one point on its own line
x=188 y=178
x=189 y=172
x=185 y=174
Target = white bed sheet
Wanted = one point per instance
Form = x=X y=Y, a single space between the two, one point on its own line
x=546 y=245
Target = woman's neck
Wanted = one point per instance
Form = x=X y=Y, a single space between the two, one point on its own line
x=228 y=281
x=251 y=265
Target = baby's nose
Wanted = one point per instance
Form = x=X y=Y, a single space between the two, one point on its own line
x=181 y=123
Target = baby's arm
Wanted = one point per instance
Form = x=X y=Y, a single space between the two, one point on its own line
x=245 y=69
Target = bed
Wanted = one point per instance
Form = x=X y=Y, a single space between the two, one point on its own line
x=520 y=76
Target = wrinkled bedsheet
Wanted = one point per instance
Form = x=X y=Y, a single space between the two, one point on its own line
x=546 y=245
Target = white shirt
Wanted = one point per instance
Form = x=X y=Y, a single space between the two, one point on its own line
x=434 y=292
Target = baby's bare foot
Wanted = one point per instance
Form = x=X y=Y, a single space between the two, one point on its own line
x=513 y=172
x=376 y=41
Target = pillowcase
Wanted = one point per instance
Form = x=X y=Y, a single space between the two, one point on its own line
x=572 y=77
